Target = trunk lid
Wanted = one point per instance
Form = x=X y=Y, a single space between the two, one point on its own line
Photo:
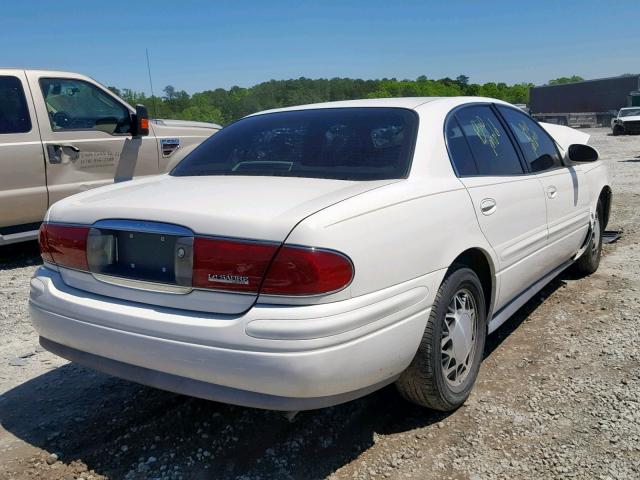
x=142 y=229
x=263 y=208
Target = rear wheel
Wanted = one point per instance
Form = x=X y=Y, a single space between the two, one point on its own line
x=446 y=364
x=590 y=259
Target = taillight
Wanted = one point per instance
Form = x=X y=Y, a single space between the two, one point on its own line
x=45 y=251
x=230 y=265
x=221 y=264
x=307 y=271
x=64 y=245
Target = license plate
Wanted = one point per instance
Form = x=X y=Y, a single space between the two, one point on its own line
x=142 y=256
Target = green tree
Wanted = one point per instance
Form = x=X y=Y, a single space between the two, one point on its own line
x=227 y=105
x=561 y=80
x=462 y=80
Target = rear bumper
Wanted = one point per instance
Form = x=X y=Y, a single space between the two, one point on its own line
x=274 y=357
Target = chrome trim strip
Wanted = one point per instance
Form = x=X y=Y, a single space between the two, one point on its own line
x=142 y=285
x=141 y=223
x=18 y=237
x=144 y=226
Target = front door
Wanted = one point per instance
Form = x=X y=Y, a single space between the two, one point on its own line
x=86 y=132
x=23 y=191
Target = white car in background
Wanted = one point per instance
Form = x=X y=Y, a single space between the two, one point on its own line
x=627 y=121
x=307 y=256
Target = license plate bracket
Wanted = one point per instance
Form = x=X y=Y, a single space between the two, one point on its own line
x=153 y=257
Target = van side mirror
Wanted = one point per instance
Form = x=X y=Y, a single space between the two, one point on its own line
x=582 y=153
x=140 y=122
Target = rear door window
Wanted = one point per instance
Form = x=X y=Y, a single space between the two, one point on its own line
x=333 y=143
x=492 y=149
x=538 y=148
x=14 y=113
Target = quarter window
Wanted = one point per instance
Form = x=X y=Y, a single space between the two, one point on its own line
x=538 y=148
x=14 y=114
x=461 y=155
x=78 y=105
x=492 y=150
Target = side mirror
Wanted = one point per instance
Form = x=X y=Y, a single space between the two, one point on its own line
x=582 y=153
x=140 y=123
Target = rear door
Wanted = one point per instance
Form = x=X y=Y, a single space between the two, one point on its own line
x=86 y=132
x=509 y=204
x=23 y=192
x=566 y=192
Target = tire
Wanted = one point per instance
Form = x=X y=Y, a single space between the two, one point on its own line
x=617 y=130
x=590 y=260
x=424 y=382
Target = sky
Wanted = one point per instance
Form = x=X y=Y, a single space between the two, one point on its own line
x=203 y=45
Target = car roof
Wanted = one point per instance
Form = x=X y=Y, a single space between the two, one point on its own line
x=50 y=72
x=398 y=102
x=406 y=102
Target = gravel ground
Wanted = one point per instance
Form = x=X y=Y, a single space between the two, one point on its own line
x=557 y=397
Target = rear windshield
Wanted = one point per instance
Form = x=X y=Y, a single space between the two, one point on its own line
x=333 y=143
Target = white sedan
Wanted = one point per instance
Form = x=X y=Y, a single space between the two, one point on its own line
x=307 y=256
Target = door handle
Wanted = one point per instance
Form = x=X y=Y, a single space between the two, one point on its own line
x=488 y=206
x=552 y=191
x=55 y=152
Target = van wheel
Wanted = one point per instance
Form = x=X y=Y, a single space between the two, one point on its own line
x=590 y=260
x=445 y=367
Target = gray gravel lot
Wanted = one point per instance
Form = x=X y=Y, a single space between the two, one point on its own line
x=557 y=397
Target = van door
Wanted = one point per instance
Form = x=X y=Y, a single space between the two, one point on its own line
x=509 y=204
x=23 y=192
x=86 y=132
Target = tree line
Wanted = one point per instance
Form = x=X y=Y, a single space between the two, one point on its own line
x=225 y=106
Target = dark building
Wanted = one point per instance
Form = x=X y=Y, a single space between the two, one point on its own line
x=600 y=98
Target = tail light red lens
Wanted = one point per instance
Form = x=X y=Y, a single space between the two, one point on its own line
x=307 y=271
x=230 y=265
x=45 y=251
x=64 y=245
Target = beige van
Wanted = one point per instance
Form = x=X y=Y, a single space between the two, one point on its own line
x=62 y=133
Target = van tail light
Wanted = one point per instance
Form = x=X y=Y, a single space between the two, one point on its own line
x=307 y=271
x=64 y=245
x=231 y=265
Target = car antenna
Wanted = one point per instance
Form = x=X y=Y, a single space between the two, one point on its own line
x=155 y=108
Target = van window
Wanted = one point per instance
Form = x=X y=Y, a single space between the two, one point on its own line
x=78 y=105
x=335 y=143
x=490 y=144
x=538 y=148
x=14 y=114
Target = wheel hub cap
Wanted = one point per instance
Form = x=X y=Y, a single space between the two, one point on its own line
x=459 y=337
